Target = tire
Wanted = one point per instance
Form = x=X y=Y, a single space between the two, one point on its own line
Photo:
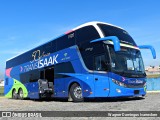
x=76 y=93
x=14 y=94
x=20 y=94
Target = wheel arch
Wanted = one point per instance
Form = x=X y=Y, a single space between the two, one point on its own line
x=72 y=84
x=74 y=81
x=13 y=90
x=71 y=96
x=20 y=89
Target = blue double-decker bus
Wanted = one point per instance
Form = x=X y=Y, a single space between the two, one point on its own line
x=95 y=59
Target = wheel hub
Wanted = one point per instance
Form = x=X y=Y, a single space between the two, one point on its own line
x=78 y=92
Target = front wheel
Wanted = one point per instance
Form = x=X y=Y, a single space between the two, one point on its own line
x=76 y=93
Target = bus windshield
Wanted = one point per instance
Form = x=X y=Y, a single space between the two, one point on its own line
x=123 y=35
x=127 y=62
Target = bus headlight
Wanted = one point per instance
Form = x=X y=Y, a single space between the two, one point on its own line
x=119 y=83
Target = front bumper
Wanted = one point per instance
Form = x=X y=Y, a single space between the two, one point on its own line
x=119 y=91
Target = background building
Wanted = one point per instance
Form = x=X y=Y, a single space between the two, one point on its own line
x=152 y=70
x=1 y=82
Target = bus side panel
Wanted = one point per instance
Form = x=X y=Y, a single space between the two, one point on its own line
x=85 y=81
x=102 y=86
x=59 y=87
x=8 y=85
x=14 y=84
x=12 y=81
x=33 y=91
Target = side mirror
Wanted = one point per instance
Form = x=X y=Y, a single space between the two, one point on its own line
x=149 y=47
x=116 y=41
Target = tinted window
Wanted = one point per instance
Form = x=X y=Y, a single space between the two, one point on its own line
x=49 y=47
x=31 y=76
x=24 y=77
x=123 y=36
x=87 y=33
x=49 y=74
x=88 y=50
x=89 y=62
x=66 y=41
x=63 y=68
x=26 y=57
x=34 y=76
x=100 y=63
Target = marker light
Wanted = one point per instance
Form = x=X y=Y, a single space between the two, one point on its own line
x=118 y=90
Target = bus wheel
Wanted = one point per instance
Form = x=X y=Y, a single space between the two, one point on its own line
x=14 y=94
x=76 y=93
x=20 y=94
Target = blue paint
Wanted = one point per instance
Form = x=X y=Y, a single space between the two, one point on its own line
x=153 y=84
x=104 y=87
x=8 y=85
x=115 y=40
x=124 y=91
x=149 y=47
x=33 y=90
x=59 y=87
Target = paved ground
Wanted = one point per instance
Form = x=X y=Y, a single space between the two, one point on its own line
x=150 y=103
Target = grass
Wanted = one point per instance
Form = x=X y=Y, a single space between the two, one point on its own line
x=1 y=90
x=153 y=76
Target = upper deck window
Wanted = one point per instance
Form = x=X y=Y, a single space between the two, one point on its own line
x=66 y=41
x=85 y=34
x=120 y=33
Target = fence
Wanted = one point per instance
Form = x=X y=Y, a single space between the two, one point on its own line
x=153 y=84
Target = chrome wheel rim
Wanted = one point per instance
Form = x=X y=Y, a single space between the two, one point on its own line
x=14 y=94
x=78 y=92
x=21 y=93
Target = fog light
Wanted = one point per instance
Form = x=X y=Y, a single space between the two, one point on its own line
x=118 y=90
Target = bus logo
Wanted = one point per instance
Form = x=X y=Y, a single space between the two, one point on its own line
x=66 y=57
x=37 y=55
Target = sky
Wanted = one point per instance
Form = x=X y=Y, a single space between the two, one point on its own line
x=25 y=24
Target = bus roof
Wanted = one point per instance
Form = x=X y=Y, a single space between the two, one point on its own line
x=93 y=23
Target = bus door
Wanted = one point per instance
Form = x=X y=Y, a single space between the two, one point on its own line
x=49 y=76
x=101 y=79
x=46 y=82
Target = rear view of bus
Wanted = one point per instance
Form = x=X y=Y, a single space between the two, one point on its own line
x=93 y=60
